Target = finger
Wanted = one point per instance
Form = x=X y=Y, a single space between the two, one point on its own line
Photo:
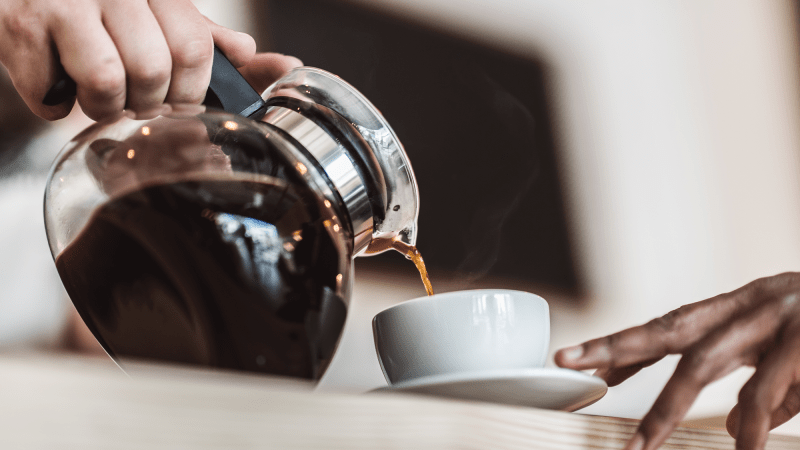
x=33 y=78
x=144 y=52
x=719 y=354
x=669 y=408
x=191 y=48
x=672 y=333
x=90 y=58
x=614 y=377
x=766 y=391
x=788 y=409
x=238 y=47
x=28 y=56
x=732 y=422
x=785 y=412
x=265 y=68
x=651 y=341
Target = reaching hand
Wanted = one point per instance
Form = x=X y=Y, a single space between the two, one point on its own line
x=122 y=54
x=756 y=325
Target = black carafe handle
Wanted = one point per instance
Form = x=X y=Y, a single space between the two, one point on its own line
x=228 y=90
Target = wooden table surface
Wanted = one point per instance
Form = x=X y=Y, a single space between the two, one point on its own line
x=56 y=402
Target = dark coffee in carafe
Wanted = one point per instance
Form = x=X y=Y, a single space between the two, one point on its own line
x=221 y=272
x=210 y=248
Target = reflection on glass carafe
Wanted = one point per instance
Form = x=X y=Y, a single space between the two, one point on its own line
x=209 y=238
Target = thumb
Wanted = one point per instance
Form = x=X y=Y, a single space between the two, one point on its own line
x=238 y=47
x=265 y=68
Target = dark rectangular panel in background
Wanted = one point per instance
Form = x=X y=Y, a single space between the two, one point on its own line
x=475 y=123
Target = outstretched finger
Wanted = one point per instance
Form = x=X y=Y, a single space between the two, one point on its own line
x=672 y=333
x=622 y=349
x=675 y=332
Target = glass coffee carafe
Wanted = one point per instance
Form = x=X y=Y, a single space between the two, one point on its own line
x=225 y=238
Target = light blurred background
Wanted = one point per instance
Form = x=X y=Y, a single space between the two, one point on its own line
x=620 y=158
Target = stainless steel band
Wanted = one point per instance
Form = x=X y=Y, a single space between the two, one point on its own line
x=335 y=160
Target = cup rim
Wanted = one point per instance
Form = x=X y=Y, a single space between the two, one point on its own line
x=445 y=295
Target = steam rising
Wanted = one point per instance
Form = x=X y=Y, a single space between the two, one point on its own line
x=517 y=159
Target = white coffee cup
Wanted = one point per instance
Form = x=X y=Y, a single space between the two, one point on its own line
x=462 y=332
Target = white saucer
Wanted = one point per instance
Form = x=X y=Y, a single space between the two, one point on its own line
x=546 y=388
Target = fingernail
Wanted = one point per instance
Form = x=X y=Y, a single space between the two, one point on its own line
x=636 y=443
x=572 y=353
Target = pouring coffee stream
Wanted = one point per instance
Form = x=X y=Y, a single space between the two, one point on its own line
x=410 y=252
x=210 y=238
